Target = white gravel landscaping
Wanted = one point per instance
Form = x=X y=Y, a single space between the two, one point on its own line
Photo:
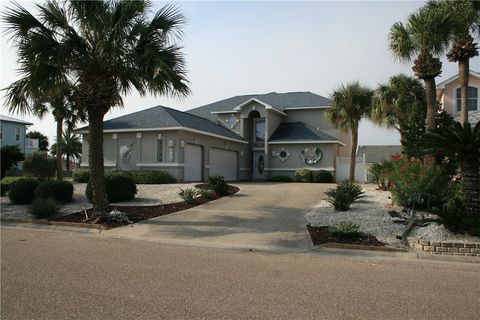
x=147 y=194
x=371 y=214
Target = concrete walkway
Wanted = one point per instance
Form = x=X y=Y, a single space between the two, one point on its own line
x=260 y=216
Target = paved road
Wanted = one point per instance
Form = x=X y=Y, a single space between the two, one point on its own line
x=261 y=215
x=56 y=275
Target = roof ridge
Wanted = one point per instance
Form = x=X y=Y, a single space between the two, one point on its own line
x=190 y=114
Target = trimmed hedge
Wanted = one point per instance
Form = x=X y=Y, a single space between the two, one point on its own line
x=323 y=176
x=81 y=175
x=280 y=179
x=60 y=191
x=303 y=175
x=119 y=187
x=22 y=191
x=150 y=176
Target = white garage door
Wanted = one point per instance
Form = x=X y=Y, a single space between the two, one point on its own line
x=193 y=163
x=223 y=162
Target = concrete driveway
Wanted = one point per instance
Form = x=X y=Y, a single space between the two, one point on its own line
x=260 y=216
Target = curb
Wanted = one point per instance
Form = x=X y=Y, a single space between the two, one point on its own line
x=54 y=223
x=360 y=247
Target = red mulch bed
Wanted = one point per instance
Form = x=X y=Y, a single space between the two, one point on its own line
x=321 y=235
x=139 y=213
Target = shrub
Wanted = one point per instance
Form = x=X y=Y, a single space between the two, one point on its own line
x=344 y=195
x=217 y=184
x=303 y=175
x=380 y=174
x=44 y=208
x=344 y=229
x=6 y=182
x=454 y=217
x=119 y=187
x=416 y=176
x=151 y=177
x=3 y=189
x=280 y=179
x=206 y=194
x=188 y=195
x=10 y=156
x=81 y=175
x=39 y=165
x=22 y=191
x=323 y=176
x=60 y=191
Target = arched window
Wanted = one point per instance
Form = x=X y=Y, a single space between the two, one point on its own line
x=472 y=99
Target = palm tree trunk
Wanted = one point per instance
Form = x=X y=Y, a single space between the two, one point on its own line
x=471 y=184
x=58 y=153
x=353 y=154
x=68 y=161
x=95 y=159
x=463 y=73
x=431 y=95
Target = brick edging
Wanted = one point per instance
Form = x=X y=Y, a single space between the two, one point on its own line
x=456 y=248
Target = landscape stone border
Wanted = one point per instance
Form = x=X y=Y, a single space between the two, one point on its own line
x=455 y=248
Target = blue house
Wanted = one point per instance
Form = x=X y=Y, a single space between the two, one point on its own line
x=13 y=132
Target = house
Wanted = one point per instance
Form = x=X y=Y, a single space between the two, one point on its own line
x=13 y=132
x=376 y=154
x=249 y=137
x=448 y=93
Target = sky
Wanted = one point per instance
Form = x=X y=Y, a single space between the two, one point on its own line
x=235 y=48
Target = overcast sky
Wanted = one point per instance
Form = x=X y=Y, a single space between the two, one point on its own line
x=235 y=48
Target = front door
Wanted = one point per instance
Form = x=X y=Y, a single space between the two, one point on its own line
x=259 y=165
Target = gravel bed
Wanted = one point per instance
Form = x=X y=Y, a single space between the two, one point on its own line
x=147 y=194
x=371 y=214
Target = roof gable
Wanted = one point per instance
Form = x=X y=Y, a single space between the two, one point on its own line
x=442 y=84
x=10 y=119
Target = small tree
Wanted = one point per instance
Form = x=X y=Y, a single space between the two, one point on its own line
x=11 y=155
x=71 y=147
x=42 y=140
x=39 y=165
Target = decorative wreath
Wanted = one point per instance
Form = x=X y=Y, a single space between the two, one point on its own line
x=311 y=155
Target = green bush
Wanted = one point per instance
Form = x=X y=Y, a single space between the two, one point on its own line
x=454 y=217
x=303 y=175
x=81 y=175
x=6 y=182
x=39 y=165
x=60 y=191
x=380 y=174
x=188 y=195
x=344 y=195
x=280 y=179
x=10 y=156
x=22 y=191
x=419 y=176
x=44 y=208
x=323 y=176
x=119 y=187
x=217 y=184
x=151 y=176
x=344 y=229
x=206 y=194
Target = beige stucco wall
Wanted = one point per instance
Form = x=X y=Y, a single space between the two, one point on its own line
x=449 y=96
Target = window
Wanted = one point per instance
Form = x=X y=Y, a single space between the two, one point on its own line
x=17 y=134
x=472 y=99
x=260 y=131
x=160 y=151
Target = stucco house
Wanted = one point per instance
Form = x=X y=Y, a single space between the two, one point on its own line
x=248 y=137
x=448 y=93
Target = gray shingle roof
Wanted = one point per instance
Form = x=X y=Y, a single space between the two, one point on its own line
x=163 y=117
x=298 y=131
x=376 y=154
x=280 y=101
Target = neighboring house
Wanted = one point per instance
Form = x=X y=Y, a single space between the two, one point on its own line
x=242 y=138
x=376 y=154
x=13 y=132
x=448 y=93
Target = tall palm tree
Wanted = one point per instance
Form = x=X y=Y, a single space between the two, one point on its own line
x=107 y=49
x=395 y=101
x=422 y=38
x=350 y=103
x=464 y=142
x=71 y=147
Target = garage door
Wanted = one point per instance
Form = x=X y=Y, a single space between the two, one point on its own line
x=193 y=163
x=223 y=162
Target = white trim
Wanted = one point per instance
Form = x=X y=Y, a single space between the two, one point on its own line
x=222 y=112
x=455 y=99
x=294 y=169
x=442 y=84
x=169 y=129
x=159 y=164
x=245 y=169
x=109 y=165
x=307 y=142
x=306 y=108
x=267 y=106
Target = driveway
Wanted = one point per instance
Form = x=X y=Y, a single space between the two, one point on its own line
x=260 y=216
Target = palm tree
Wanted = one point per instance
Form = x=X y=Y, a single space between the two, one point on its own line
x=107 y=49
x=464 y=142
x=466 y=16
x=395 y=101
x=423 y=37
x=71 y=147
x=350 y=103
